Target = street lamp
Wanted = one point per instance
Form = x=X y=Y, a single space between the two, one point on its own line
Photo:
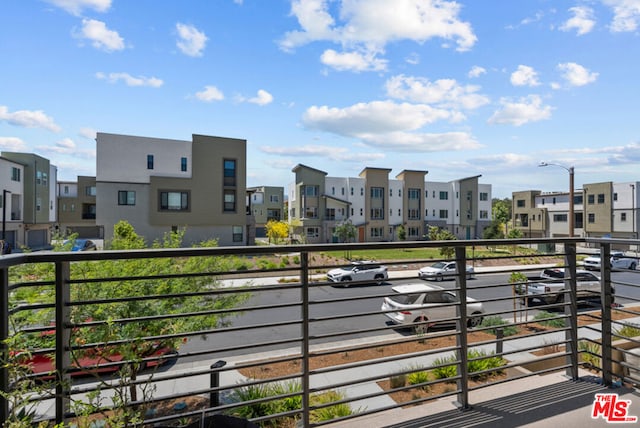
x=4 y=211
x=633 y=209
x=571 y=202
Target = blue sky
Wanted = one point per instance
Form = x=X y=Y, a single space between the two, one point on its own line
x=456 y=88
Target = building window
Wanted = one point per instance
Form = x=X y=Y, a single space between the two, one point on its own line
x=413 y=194
x=183 y=164
x=333 y=190
x=331 y=214
x=229 y=172
x=591 y=199
x=73 y=208
x=311 y=191
x=615 y=196
x=390 y=192
x=38 y=177
x=591 y=218
x=342 y=190
x=376 y=232
x=377 y=192
x=400 y=192
x=623 y=216
x=38 y=204
x=413 y=232
x=237 y=234
x=377 y=214
x=149 y=161
x=484 y=214
x=229 y=201
x=444 y=213
x=174 y=201
x=274 y=198
x=560 y=218
x=362 y=191
x=66 y=190
x=444 y=196
x=45 y=178
x=90 y=190
x=361 y=213
x=15 y=174
x=399 y=212
x=520 y=203
x=352 y=191
x=577 y=199
x=311 y=212
x=413 y=214
x=484 y=196
x=126 y=197
x=313 y=232
x=601 y=198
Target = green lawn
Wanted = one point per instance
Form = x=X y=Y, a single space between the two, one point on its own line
x=411 y=254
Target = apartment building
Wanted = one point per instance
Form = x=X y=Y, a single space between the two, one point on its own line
x=30 y=208
x=604 y=209
x=378 y=205
x=266 y=203
x=159 y=185
x=77 y=208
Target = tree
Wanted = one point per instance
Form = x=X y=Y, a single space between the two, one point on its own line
x=438 y=234
x=127 y=301
x=277 y=231
x=402 y=233
x=346 y=232
x=494 y=231
x=501 y=209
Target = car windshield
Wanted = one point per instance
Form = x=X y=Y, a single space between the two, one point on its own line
x=439 y=265
x=405 y=299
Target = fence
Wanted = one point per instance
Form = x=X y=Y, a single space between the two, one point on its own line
x=120 y=335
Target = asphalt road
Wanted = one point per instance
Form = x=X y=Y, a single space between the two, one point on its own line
x=275 y=321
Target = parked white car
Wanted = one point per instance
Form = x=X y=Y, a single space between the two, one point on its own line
x=439 y=270
x=430 y=304
x=359 y=272
x=618 y=261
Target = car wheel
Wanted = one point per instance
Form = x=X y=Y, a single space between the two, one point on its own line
x=632 y=266
x=421 y=329
x=475 y=320
x=560 y=298
x=345 y=281
x=439 y=277
x=379 y=279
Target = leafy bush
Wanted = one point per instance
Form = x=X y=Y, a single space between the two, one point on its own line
x=587 y=350
x=398 y=381
x=330 y=412
x=508 y=330
x=266 y=264
x=296 y=259
x=476 y=363
x=548 y=319
x=630 y=330
x=418 y=377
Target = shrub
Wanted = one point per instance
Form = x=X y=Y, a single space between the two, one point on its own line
x=398 y=381
x=330 y=412
x=418 y=377
x=629 y=330
x=476 y=363
x=548 y=319
x=296 y=259
x=588 y=349
x=508 y=330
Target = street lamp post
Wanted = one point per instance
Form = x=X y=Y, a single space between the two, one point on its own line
x=571 y=201
x=4 y=212
x=633 y=209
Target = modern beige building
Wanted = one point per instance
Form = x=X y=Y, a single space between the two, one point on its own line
x=162 y=185
x=266 y=203
x=77 y=208
x=379 y=206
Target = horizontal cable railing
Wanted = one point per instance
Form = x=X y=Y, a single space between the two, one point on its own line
x=171 y=335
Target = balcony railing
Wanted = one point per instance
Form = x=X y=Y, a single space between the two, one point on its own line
x=236 y=314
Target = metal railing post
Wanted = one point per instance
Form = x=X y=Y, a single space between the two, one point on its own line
x=63 y=340
x=571 y=310
x=605 y=302
x=304 y=283
x=4 y=347
x=461 y=337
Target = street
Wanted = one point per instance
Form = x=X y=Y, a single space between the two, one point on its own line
x=273 y=310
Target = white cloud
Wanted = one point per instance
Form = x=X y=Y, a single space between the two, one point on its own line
x=576 y=75
x=413 y=59
x=89 y=133
x=129 y=80
x=191 y=41
x=67 y=146
x=353 y=61
x=503 y=160
x=524 y=76
x=390 y=125
x=626 y=15
x=100 y=36
x=368 y=26
x=28 y=119
x=316 y=151
x=582 y=20
x=210 y=93
x=442 y=92
x=525 y=110
x=476 y=71
x=262 y=98
x=75 y=7
x=12 y=144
